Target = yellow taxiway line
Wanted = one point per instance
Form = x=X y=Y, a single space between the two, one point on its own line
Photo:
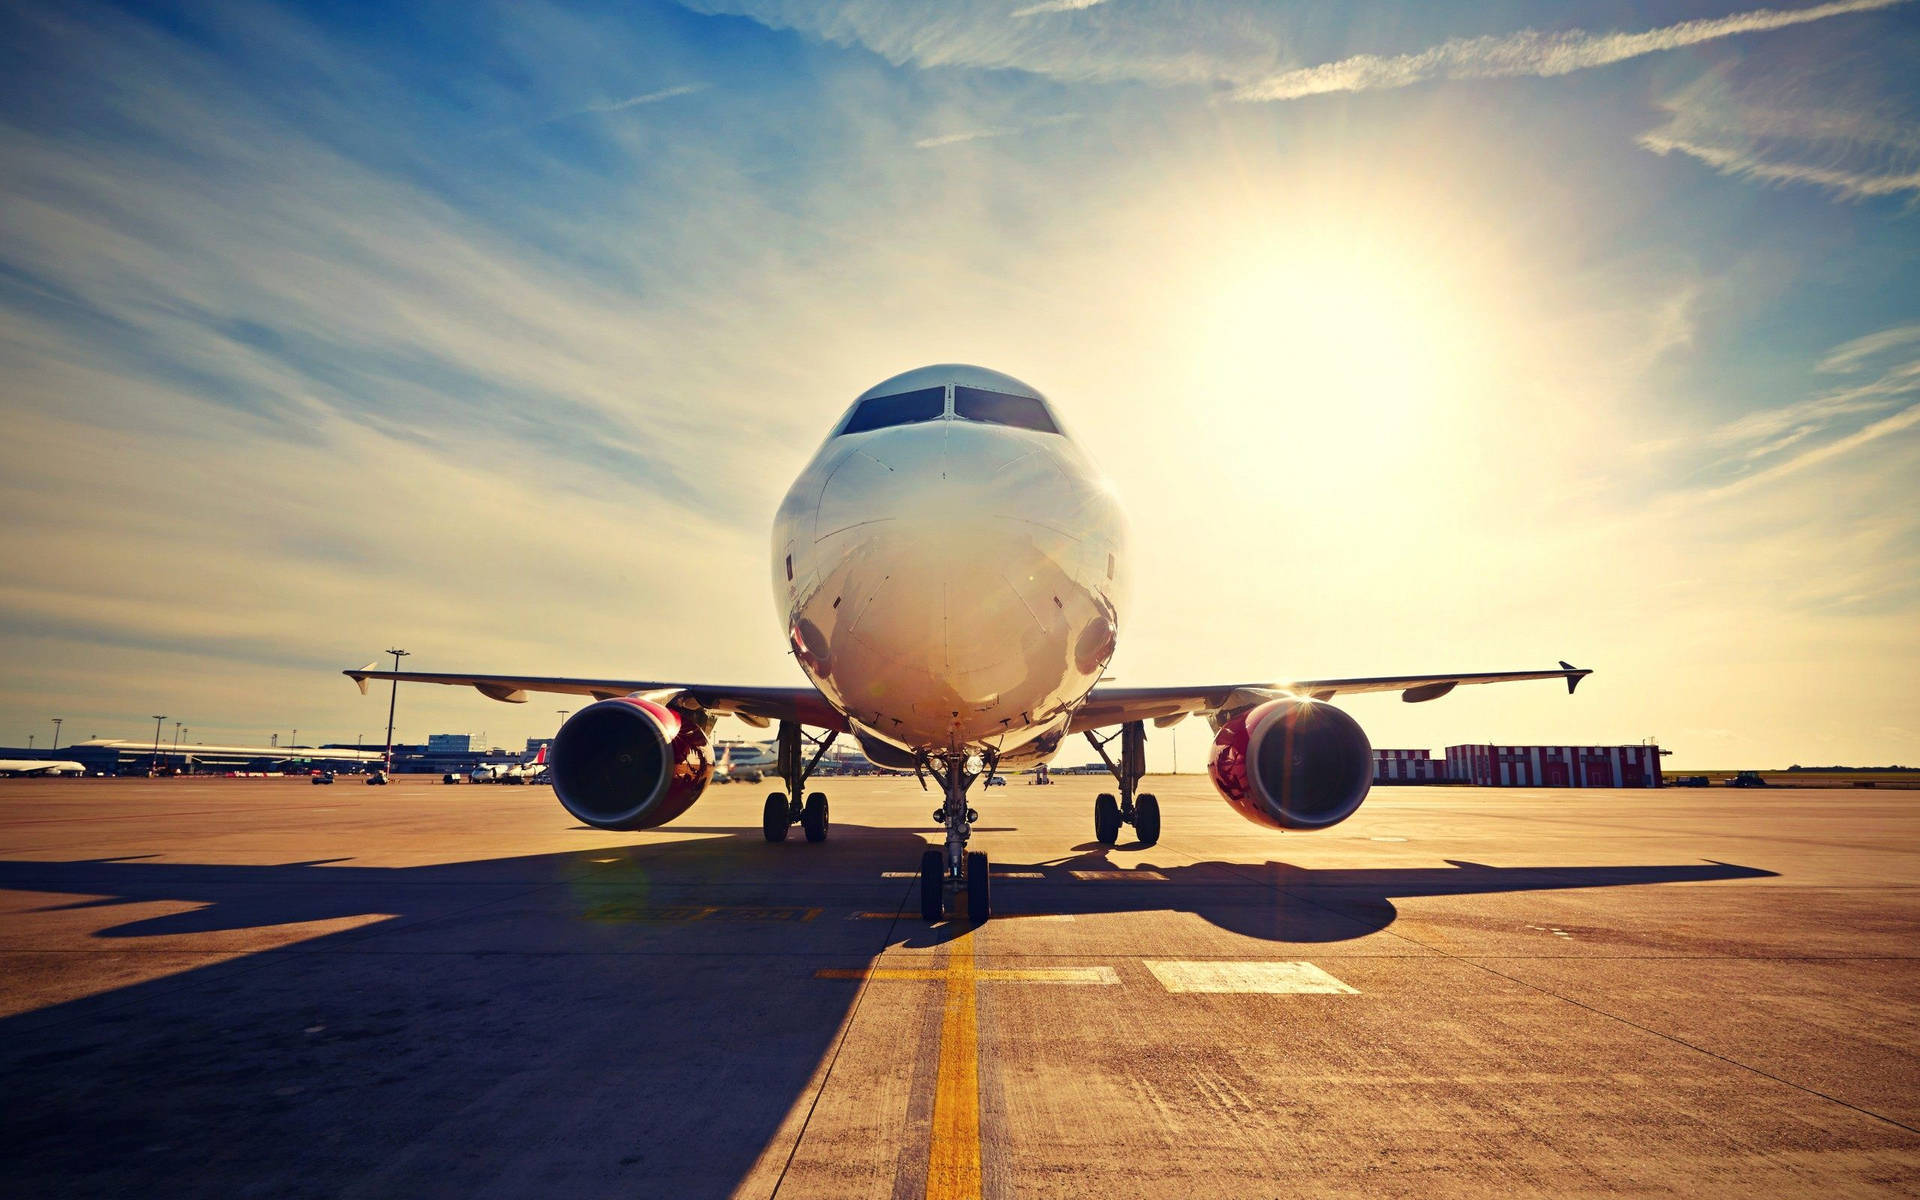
x=953 y=1159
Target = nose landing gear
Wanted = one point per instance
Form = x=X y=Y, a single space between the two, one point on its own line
x=1141 y=811
x=784 y=810
x=947 y=869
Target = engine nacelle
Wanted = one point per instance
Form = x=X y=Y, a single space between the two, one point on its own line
x=1292 y=764
x=629 y=764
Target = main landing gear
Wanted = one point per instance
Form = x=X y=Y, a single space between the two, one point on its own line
x=954 y=867
x=784 y=810
x=1141 y=811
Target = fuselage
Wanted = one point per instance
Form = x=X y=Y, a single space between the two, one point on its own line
x=951 y=567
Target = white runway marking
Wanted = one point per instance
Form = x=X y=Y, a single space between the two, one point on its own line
x=1269 y=977
x=1120 y=875
x=1019 y=874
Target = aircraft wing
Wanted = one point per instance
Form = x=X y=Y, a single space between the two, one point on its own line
x=1113 y=705
x=757 y=705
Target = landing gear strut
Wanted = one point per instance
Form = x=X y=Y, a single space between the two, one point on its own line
x=784 y=810
x=952 y=867
x=1141 y=811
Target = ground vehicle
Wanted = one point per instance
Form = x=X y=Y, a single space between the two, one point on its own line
x=997 y=781
x=451 y=777
x=1690 y=781
x=376 y=777
x=323 y=776
x=1747 y=779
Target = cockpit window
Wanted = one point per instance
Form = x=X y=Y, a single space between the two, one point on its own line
x=903 y=408
x=1024 y=412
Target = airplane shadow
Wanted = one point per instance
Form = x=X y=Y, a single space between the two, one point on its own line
x=1278 y=901
x=639 y=1018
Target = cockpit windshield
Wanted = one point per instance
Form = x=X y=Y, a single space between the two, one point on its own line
x=902 y=408
x=1000 y=408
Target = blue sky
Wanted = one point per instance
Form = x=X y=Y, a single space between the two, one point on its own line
x=1416 y=337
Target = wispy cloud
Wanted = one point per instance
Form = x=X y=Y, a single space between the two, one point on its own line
x=1760 y=440
x=1850 y=355
x=1746 y=165
x=1906 y=418
x=965 y=135
x=992 y=131
x=1056 y=6
x=1529 y=52
x=611 y=106
x=685 y=89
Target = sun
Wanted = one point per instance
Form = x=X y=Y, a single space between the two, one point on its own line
x=1322 y=349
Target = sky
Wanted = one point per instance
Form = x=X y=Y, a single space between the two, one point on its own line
x=1415 y=338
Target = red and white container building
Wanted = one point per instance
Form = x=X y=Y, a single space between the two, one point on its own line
x=1523 y=766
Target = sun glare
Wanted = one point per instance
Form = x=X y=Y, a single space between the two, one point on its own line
x=1328 y=347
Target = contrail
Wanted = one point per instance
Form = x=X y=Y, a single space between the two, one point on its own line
x=1529 y=52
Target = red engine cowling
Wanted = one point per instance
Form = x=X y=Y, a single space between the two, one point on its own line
x=629 y=764
x=1292 y=764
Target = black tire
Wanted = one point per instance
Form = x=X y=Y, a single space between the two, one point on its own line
x=933 y=885
x=773 y=818
x=1146 y=818
x=1106 y=819
x=813 y=818
x=979 y=880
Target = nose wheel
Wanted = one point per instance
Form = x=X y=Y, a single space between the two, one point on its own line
x=953 y=868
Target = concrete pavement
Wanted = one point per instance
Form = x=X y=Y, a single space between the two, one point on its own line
x=262 y=987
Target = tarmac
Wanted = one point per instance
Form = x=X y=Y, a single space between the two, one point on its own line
x=263 y=987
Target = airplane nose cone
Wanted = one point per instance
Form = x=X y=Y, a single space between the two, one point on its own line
x=954 y=573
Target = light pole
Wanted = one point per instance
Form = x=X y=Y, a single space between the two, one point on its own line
x=393 y=698
x=154 y=764
x=56 y=731
x=176 y=739
x=176 y=747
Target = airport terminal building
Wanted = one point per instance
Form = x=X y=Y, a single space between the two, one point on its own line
x=1524 y=766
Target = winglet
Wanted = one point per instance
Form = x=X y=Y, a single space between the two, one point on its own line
x=359 y=678
x=1573 y=680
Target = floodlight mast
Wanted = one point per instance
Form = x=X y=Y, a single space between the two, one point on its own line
x=393 y=698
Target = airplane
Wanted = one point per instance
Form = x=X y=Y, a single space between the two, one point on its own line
x=40 y=766
x=741 y=762
x=516 y=772
x=951 y=571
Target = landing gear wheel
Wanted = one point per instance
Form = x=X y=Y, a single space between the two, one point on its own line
x=1146 y=818
x=933 y=885
x=979 y=905
x=1106 y=819
x=774 y=820
x=813 y=818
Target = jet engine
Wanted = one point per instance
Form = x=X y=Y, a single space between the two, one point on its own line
x=1292 y=764
x=629 y=763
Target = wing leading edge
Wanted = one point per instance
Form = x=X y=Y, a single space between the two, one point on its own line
x=756 y=705
x=1111 y=706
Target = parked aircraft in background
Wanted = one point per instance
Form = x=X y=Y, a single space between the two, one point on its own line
x=741 y=762
x=40 y=766
x=950 y=570
x=516 y=772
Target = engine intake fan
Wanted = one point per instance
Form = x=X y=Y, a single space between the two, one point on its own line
x=1292 y=764
x=629 y=763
